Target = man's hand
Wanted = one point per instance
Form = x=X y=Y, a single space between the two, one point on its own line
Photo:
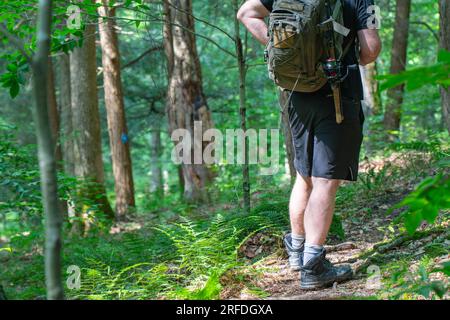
x=252 y=14
x=370 y=46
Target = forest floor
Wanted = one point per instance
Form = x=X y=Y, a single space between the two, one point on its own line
x=135 y=261
x=279 y=282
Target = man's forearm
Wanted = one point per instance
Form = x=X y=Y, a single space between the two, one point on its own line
x=370 y=46
x=258 y=28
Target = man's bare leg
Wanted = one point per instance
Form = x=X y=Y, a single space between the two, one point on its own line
x=295 y=241
x=319 y=215
x=317 y=271
x=298 y=202
x=320 y=209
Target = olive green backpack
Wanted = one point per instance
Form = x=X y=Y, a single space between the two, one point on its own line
x=298 y=44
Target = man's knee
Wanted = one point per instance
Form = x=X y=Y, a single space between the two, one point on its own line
x=305 y=182
x=325 y=184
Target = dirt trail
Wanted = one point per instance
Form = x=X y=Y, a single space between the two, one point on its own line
x=282 y=283
x=279 y=282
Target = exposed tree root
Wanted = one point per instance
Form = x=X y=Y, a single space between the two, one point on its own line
x=380 y=251
x=341 y=247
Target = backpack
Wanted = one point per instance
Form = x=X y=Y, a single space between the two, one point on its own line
x=299 y=33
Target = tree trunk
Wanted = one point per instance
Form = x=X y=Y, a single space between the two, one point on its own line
x=156 y=182
x=290 y=153
x=392 y=116
x=46 y=149
x=371 y=104
x=86 y=122
x=53 y=111
x=55 y=121
x=242 y=67
x=180 y=179
x=115 y=111
x=65 y=111
x=372 y=97
x=444 y=11
x=65 y=121
x=186 y=101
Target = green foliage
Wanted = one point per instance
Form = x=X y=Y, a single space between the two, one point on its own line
x=19 y=18
x=188 y=264
x=437 y=74
x=211 y=289
x=14 y=77
x=405 y=284
x=205 y=254
x=20 y=194
x=424 y=203
x=20 y=200
x=374 y=180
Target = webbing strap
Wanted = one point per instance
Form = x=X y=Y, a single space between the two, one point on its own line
x=337 y=8
x=347 y=47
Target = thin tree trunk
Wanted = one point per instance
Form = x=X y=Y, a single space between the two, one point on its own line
x=156 y=182
x=444 y=11
x=53 y=110
x=181 y=179
x=392 y=116
x=372 y=97
x=65 y=111
x=47 y=164
x=86 y=122
x=186 y=101
x=242 y=67
x=66 y=128
x=285 y=125
x=170 y=56
x=54 y=118
x=371 y=103
x=115 y=111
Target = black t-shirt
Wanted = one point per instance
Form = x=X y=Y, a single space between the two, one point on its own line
x=355 y=18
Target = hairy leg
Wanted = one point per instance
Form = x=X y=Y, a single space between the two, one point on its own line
x=298 y=202
x=319 y=211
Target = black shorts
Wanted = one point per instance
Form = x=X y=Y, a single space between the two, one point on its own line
x=324 y=148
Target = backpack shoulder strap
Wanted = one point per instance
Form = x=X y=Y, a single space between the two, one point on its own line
x=348 y=46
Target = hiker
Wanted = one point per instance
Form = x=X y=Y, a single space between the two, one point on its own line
x=313 y=48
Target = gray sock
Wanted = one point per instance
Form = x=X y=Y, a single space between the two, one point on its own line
x=297 y=241
x=310 y=252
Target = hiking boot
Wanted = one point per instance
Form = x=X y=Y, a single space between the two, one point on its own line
x=295 y=256
x=320 y=273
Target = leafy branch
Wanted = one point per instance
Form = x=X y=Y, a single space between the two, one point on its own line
x=16 y=42
x=436 y=74
x=424 y=203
